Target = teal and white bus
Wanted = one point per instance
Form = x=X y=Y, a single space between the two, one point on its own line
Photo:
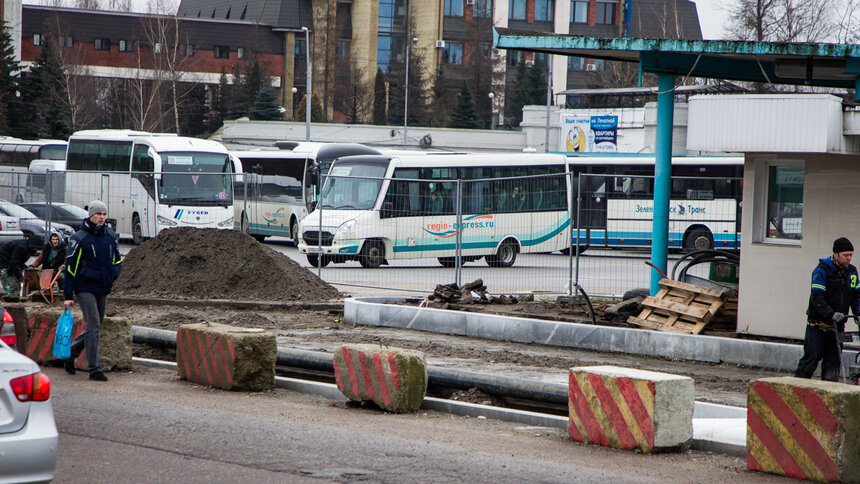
x=152 y=181
x=379 y=208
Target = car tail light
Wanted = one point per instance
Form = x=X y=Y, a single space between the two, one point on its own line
x=32 y=388
x=7 y=331
x=7 y=335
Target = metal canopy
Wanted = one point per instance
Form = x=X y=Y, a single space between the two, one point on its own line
x=825 y=65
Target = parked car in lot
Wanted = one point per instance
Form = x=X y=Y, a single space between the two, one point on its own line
x=65 y=213
x=30 y=224
x=28 y=432
x=9 y=229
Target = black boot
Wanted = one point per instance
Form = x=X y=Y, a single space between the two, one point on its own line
x=98 y=376
x=69 y=366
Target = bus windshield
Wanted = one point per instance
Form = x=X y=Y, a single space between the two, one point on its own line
x=358 y=189
x=192 y=178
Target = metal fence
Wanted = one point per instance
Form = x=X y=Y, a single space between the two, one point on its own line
x=604 y=252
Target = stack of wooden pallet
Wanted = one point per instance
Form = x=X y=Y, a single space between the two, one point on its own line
x=680 y=307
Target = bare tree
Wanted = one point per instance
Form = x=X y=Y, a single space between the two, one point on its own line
x=352 y=98
x=791 y=20
x=81 y=91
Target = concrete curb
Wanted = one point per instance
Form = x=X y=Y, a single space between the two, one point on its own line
x=231 y=304
x=720 y=435
x=385 y=312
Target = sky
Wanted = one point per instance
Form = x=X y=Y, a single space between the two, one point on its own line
x=711 y=17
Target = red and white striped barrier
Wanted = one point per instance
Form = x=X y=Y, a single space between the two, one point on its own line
x=226 y=357
x=394 y=379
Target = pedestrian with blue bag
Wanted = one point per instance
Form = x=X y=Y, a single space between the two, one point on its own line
x=93 y=263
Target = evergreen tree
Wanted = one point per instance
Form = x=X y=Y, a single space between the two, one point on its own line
x=464 y=115
x=529 y=89
x=192 y=111
x=317 y=113
x=439 y=115
x=379 y=116
x=301 y=109
x=8 y=81
x=44 y=95
x=265 y=106
x=220 y=103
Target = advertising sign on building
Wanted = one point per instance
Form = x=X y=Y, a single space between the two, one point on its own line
x=589 y=134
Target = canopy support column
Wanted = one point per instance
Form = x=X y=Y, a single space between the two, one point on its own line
x=662 y=178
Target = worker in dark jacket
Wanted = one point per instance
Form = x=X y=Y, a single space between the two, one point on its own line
x=13 y=259
x=53 y=256
x=92 y=266
x=835 y=290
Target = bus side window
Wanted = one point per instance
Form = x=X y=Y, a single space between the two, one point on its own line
x=122 y=157
x=105 y=156
x=90 y=157
x=141 y=166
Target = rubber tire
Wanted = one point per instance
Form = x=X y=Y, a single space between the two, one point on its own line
x=582 y=249
x=316 y=261
x=259 y=238
x=136 y=231
x=696 y=239
x=294 y=232
x=447 y=262
x=505 y=257
x=372 y=255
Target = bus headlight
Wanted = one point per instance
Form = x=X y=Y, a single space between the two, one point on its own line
x=344 y=228
x=226 y=223
x=166 y=221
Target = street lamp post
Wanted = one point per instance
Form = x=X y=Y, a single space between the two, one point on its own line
x=308 y=90
x=294 y=90
x=492 y=111
x=406 y=91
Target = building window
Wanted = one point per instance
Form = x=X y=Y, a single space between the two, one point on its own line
x=101 y=44
x=342 y=49
x=301 y=51
x=579 y=12
x=453 y=8
x=157 y=48
x=576 y=63
x=37 y=39
x=517 y=9
x=781 y=202
x=605 y=13
x=482 y=9
x=186 y=50
x=222 y=52
x=544 y=10
x=69 y=42
x=241 y=53
x=515 y=57
x=124 y=45
x=453 y=53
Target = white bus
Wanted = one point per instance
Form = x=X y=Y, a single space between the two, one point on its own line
x=152 y=181
x=377 y=208
x=617 y=201
x=280 y=185
x=15 y=158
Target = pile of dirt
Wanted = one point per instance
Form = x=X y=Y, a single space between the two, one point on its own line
x=188 y=263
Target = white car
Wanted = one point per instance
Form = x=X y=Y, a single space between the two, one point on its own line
x=28 y=433
x=9 y=229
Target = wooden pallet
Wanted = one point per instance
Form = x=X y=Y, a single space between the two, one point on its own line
x=679 y=307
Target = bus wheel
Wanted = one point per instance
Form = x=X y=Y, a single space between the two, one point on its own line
x=699 y=239
x=317 y=260
x=506 y=255
x=572 y=248
x=372 y=255
x=294 y=231
x=259 y=238
x=136 y=231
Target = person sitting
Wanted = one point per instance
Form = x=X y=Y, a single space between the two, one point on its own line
x=13 y=259
x=53 y=256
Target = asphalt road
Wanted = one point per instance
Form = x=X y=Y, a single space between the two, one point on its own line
x=148 y=426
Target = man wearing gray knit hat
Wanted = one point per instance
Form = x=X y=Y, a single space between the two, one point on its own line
x=92 y=265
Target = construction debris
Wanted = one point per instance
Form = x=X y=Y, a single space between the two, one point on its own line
x=473 y=292
x=679 y=307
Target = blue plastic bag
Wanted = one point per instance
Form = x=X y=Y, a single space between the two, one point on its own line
x=63 y=335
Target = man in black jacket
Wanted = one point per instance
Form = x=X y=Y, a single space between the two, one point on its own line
x=92 y=265
x=835 y=290
x=13 y=259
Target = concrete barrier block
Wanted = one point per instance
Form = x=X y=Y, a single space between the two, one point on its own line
x=802 y=428
x=226 y=357
x=36 y=337
x=630 y=409
x=395 y=379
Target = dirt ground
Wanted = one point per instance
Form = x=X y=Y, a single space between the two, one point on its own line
x=194 y=264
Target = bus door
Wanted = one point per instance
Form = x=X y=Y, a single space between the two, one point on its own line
x=592 y=210
x=403 y=217
x=251 y=191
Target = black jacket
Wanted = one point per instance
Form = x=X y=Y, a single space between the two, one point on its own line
x=44 y=261
x=93 y=262
x=13 y=257
x=833 y=290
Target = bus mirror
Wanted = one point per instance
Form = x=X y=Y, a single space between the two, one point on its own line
x=387 y=210
x=312 y=205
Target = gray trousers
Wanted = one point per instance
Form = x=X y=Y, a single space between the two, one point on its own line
x=93 y=307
